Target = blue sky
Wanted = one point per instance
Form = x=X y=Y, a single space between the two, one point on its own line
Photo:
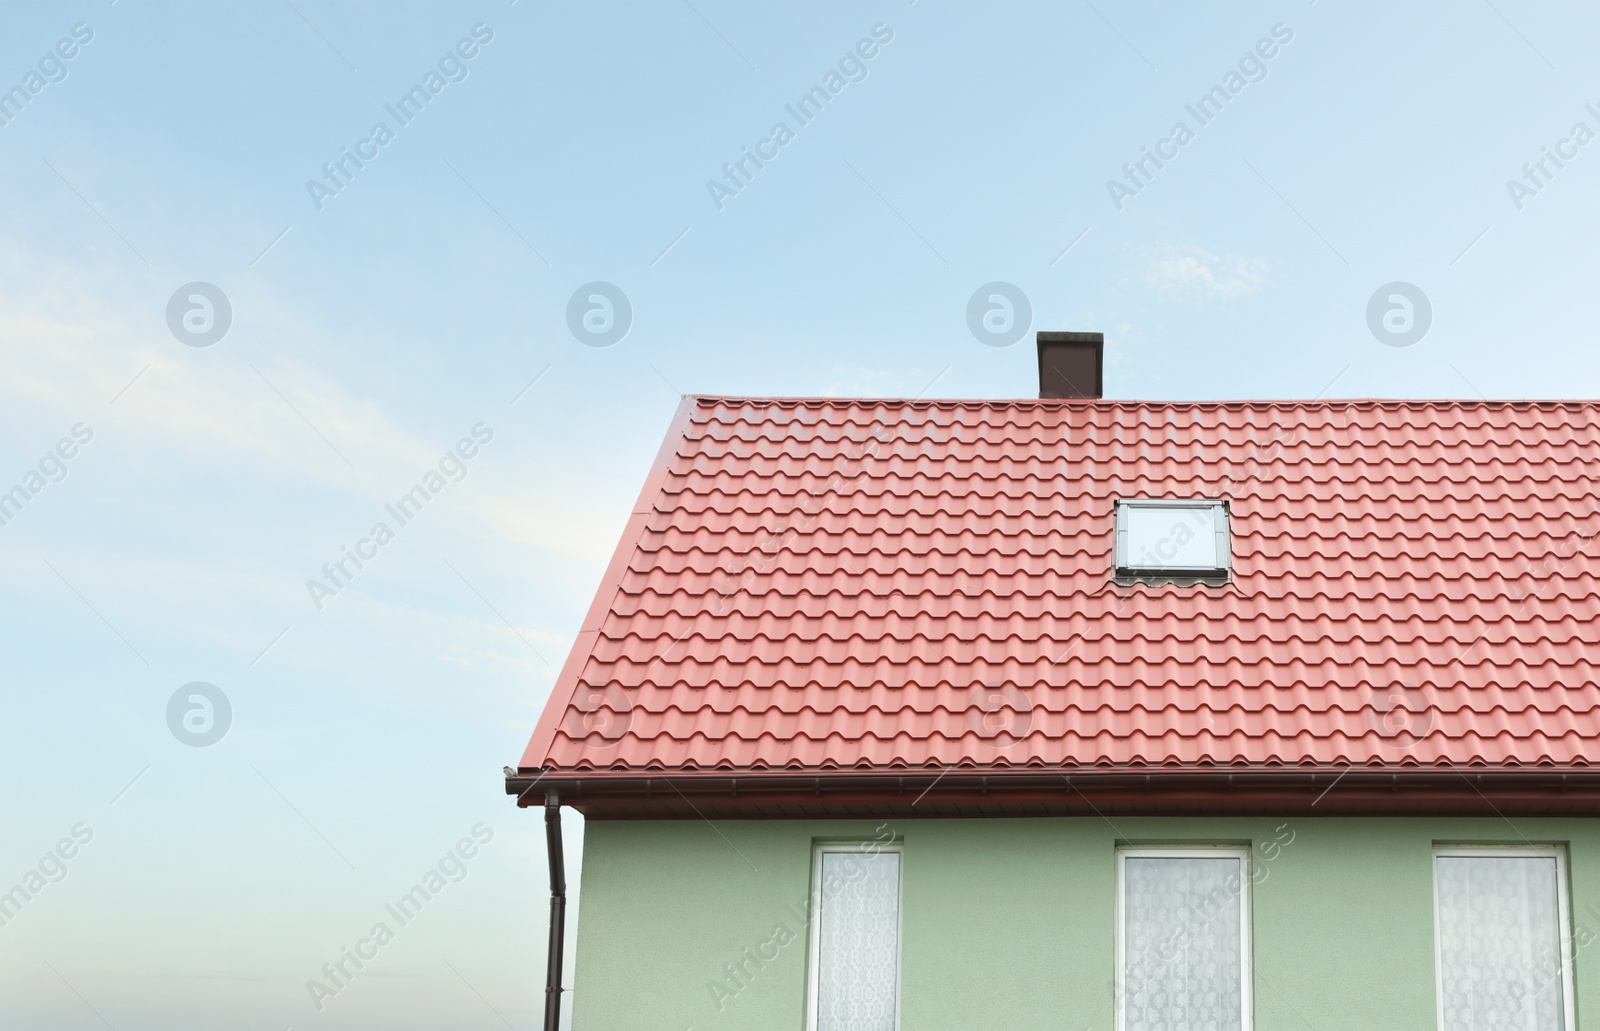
x=371 y=332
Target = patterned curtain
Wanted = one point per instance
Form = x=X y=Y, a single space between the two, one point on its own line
x=859 y=941
x=1182 y=945
x=1500 y=943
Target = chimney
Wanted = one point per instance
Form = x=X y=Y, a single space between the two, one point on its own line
x=1070 y=365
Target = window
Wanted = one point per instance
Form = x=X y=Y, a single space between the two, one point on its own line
x=1183 y=945
x=1501 y=939
x=855 y=938
x=1164 y=538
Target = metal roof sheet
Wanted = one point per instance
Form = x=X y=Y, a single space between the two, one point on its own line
x=815 y=584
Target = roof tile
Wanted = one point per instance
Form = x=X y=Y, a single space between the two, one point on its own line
x=820 y=584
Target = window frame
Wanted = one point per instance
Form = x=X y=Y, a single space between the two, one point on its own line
x=1222 y=518
x=1569 y=1016
x=814 y=930
x=1243 y=854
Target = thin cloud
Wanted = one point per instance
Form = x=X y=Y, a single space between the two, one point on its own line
x=1176 y=271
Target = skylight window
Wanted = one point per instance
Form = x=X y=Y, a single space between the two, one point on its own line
x=1167 y=538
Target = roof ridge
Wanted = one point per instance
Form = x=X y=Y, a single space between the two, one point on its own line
x=1107 y=402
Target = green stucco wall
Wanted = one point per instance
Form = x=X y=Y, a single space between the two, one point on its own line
x=1009 y=923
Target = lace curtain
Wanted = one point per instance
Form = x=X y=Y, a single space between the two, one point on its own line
x=1182 y=944
x=1500 y=943
x=859 y=941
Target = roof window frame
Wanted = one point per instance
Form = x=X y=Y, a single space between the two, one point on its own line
x=1124 y=570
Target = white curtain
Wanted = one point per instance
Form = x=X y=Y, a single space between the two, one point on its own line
x=1500 y=943
x=1182 y=955
x=858 y=941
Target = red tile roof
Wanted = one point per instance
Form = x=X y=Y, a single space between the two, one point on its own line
x=814 y=585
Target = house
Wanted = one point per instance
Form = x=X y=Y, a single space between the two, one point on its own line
x=1080 y=713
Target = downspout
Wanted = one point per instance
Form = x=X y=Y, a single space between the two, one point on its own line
x=558 y=911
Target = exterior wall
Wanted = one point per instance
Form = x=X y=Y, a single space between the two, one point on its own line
x=1009 y=923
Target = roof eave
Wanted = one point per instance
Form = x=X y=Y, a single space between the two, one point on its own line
x=1211 y=791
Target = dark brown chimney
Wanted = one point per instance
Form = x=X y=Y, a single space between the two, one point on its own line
x=1070 y=365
